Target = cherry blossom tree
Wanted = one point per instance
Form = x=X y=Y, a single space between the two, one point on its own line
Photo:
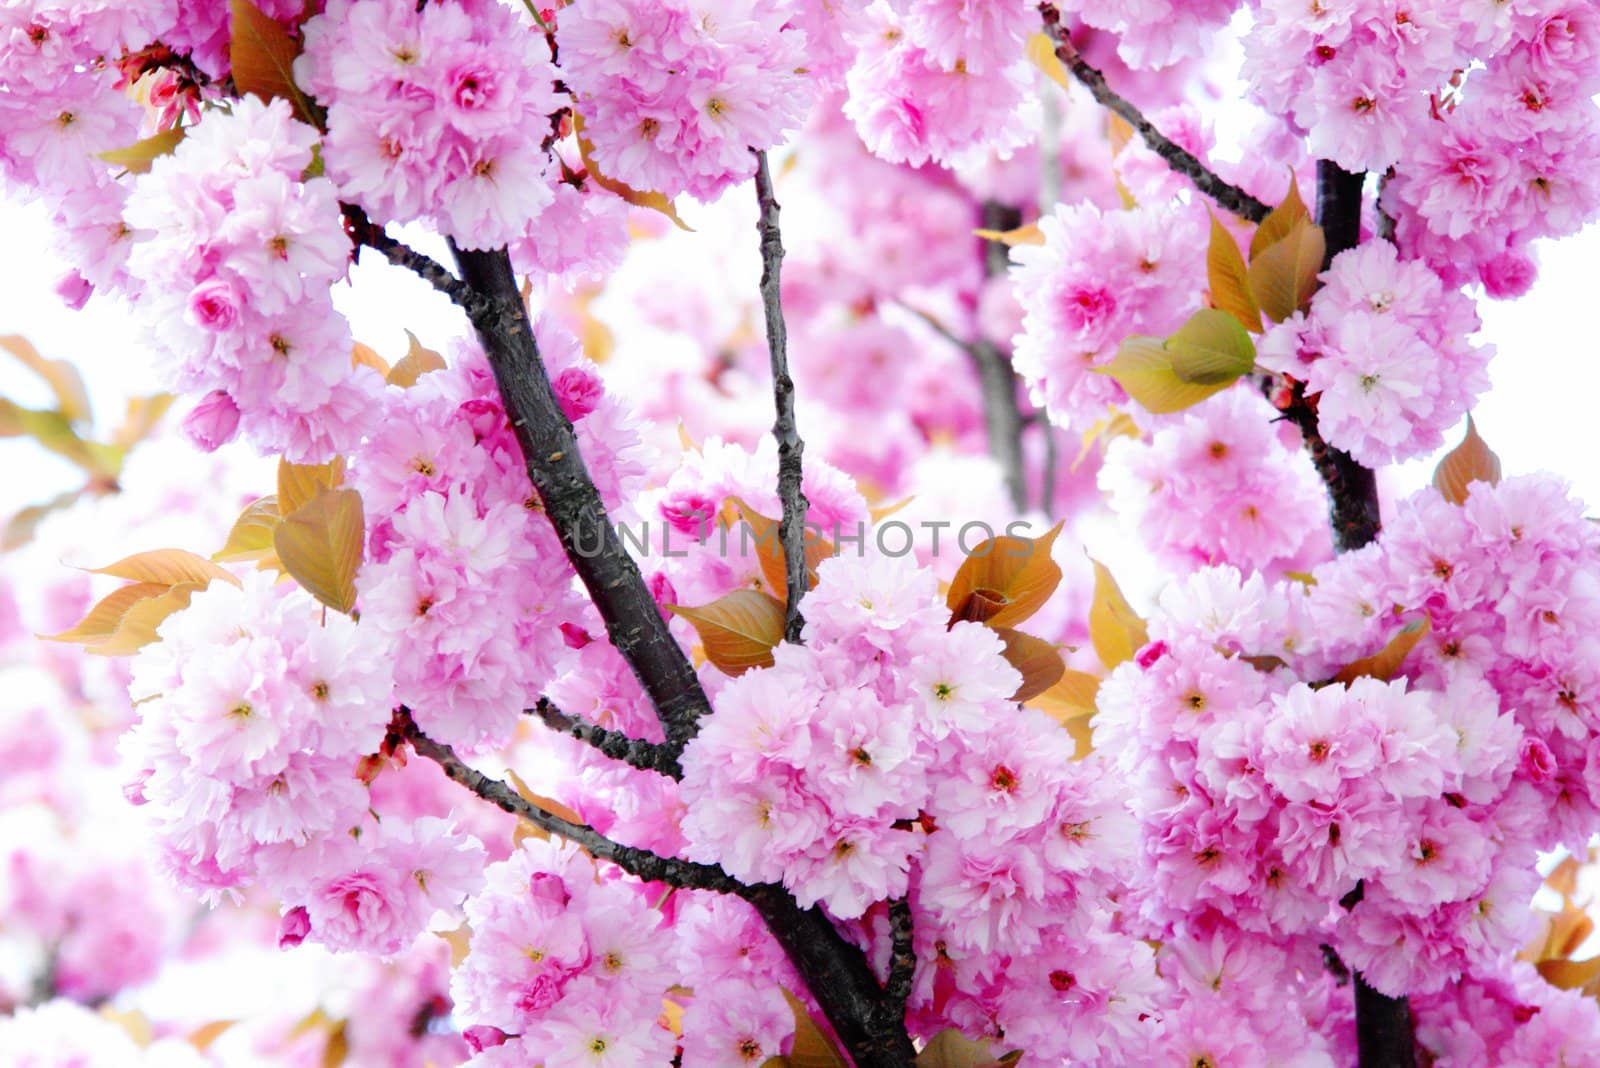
x=571 y=710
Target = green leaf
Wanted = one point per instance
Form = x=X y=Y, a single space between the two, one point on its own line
x=1229 y=279
x=1143 y=368
x=739 y=631
x=1284 y=276
x=1284 y=218
x=1211 y=349
x=137 y=157
x=320 y=545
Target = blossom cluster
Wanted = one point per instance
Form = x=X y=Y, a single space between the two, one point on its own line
x=235 y=257
x=1385 y=351
x=436 y=111
x=674 y=95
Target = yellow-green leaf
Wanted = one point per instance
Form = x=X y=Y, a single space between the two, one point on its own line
x=1116 y=630
x=320 y=546
x=1284 y=218
x=1036 y=660
x=1471 y=461
x=137 y=157
x=417 y=361
x=21 y=527
x=1229 y=279
x=1385 y=663
x=72 y=398
x=1284 y=276
x=167 y=567
x=261 y=54
x=1005 y=580
x=1211 y=349
x=1143 y=368
x=739 y=631
x=251 y=536
x=639 y=199
x=299 y=483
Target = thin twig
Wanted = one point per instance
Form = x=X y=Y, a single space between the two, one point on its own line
x=1178 y=158
x=651 y=867
x=902 y=953
x=792 y=527
x=366 y=232
x=647 y=756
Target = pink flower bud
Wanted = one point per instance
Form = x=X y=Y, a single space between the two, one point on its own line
x=214 y=304
x=214 y=421
x=294 y=927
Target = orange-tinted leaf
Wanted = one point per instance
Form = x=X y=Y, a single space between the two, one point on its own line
x=337 y=1048
x=768 y=544
x=1284 y=218
x=1022 y=235
x=1116 y=630
x=1229 y=279
x=1005 y=580
x=459 y=941
x=1471 y=461
x=320 y=545
x=1385 y=663
x=1572 y=974
x=137 y=627
x=103 y=619
x=812 y=1047
x=418 y=361
x=653 y=201
x=1284 y=276
x=261 y=54
x=1072 y=696
x=1116 y=425
x=24 y=524
x=141 y=417
x=739 y=631
x=526 y=830
x=168 y=567
x=951 y=1049
x=251 y=536
x=137 y=157
x=1038 y=662
x=298 y=483
x=202 y=1037
x=367 y=356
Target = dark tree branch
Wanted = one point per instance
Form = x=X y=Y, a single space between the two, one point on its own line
x=1180 y=159
x=868 y=1022
x=902 y=953
x=835 y=971
x=647 y=756
x=571 y=501
x=364 y=231
x=1002 y=419
x=651 y=867
x=1384 y=1035
x=792 y=527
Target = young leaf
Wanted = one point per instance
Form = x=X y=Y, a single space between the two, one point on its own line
x=367 y=356
x=1284 y=275
x=812 y=1047
x=1211 y=349
x=1572 y=974
x=1385 y=663
x=417 y=361
x=951 y=1049
x=251 y=536
x=320 y=546
x=1115 y=628
x=137 y=627
x=1072 y=697
x=1229 y=279
x=526 y=830
x=261 y=54
x=1471 y=461
x=103 y=619
x=1038 y=662
x=298 y=483
x=653 y=201
x=72 y=398
x=1005 y=580
x=1143 y=368
x=137 y=157
x=768 y=544
x=1022 y=235
x=166 y=567
x=1284 y=218
x=739 y=631
x=1041 y=52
